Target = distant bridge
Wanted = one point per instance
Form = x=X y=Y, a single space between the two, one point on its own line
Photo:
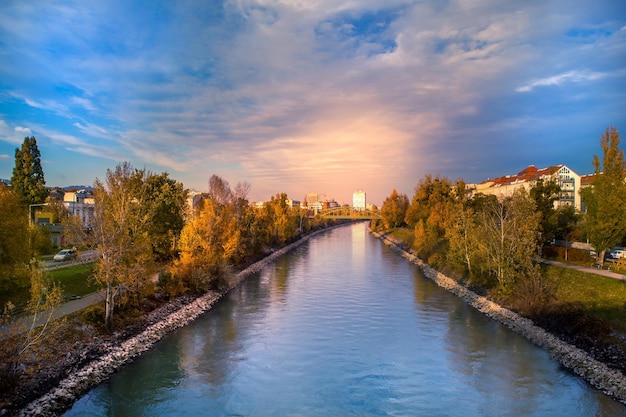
x=348 y=213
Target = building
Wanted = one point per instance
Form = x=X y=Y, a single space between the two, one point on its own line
x=81 y=204
x=292 y=203
x=569 y=182
x=358 y=200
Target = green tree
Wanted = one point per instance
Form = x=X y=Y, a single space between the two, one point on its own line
x=28 y=179
x=164 y=204
x=605 y=199
x=394 y=210
x=566 y=226
x=545 y=193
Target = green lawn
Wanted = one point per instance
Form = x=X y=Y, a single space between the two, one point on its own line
x=74 y=280
x=601 y=296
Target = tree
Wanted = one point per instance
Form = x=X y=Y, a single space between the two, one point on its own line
x=28 y=179
x=508 y=231
x=394 y=210
x=164 y=204
x=545 y=194
x=120 y=232
x=566 y=222
x=429 y=193
x=208 y=244
x=605 y=199
x=14 y=245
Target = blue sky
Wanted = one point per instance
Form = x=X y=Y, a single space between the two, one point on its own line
x=302 y=96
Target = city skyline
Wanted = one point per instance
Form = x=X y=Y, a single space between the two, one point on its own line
x=301 y=97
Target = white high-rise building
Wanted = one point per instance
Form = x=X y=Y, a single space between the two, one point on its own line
x=358 y=200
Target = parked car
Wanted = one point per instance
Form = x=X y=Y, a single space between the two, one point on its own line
x=65 y=255
x=618 y=254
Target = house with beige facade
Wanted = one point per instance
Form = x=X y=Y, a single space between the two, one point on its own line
x=569 y=182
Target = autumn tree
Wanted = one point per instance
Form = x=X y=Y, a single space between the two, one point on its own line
x=14 y=245
x=28 y=180
x=431 y=213
x=281 y=220
x=120 y=232
x=605 y=200
x=393 y=210
x=208 y=244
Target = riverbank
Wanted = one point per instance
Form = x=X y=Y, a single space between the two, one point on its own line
x=597 y=374
x=121 y=350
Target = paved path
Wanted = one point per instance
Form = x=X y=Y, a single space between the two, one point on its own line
x=588 y=269
x=23 y=323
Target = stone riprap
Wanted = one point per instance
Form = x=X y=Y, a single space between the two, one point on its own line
x=609 y=381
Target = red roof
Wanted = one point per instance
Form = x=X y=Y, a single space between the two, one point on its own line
x=530 y=173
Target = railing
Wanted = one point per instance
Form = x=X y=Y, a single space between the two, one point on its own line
x=348 y=213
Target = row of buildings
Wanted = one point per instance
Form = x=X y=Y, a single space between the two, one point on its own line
x=318 y=202
x=570 y=184
x=81 y=203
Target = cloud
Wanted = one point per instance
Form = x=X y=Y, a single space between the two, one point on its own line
x=570 y=76
x=13 y=135
x=23 y=130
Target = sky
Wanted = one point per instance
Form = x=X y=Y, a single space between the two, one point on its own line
x=304 y=96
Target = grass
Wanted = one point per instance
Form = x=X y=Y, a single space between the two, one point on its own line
x=601 y=296
x=74 y=281
x=404 y=235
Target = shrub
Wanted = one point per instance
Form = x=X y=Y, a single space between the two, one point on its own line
x=93 y=315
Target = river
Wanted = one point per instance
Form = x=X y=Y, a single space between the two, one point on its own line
x=343 y=326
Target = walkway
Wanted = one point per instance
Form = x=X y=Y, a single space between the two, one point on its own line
x=23 y=323
x=587 y=269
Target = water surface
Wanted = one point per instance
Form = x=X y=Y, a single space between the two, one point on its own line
x=343 y=326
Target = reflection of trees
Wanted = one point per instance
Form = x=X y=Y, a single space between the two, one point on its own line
x=159 y=372
x=279 y=278
x=427 y=294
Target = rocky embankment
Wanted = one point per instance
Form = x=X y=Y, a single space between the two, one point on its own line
x=164 y=321
x=599 y=375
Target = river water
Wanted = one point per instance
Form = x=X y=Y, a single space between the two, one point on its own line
x=343 y=326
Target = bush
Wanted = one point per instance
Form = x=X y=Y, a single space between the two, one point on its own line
x=93 y=315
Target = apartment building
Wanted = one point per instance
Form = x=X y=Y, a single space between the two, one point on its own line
x=569 y=183
x=358 y=200
x=82 y=204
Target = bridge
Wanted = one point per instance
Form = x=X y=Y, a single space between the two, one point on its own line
x=349 y=213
